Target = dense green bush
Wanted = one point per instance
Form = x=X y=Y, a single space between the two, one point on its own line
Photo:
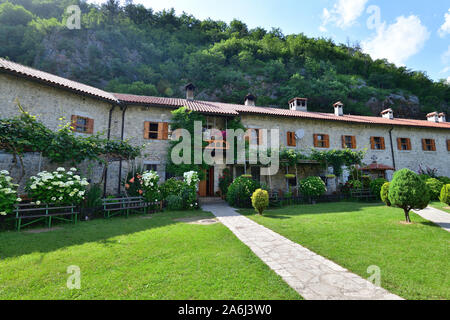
x=375 y=186
x=408 y=191
x=435 y=187
x=241 y=190
x=8 y=193
x=171 y=186
x=444 y=180
x=312 y=187
x=174 y=202
x=384 y=194
x=445 y=194
x=424 y=177
x=224 y=181
x=260 y=200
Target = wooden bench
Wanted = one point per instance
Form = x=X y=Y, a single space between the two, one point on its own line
x=116 y=206
x=34 y=213
x=362 y=194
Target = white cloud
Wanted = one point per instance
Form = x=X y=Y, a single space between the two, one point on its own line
x=448 y=80
x=343 y=14
x=399 y=41
x=445 y=28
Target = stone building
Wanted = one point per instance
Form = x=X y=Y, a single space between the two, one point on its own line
x=391 y=143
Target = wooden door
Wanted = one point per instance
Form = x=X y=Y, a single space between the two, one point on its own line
x=202 y=187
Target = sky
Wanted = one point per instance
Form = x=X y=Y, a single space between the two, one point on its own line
x=411 y=33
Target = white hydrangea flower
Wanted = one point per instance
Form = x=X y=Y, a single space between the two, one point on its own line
x=60 y=169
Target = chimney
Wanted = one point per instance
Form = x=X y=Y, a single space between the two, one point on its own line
x=388 y=114
x=250 y=100
x=190 y=88
x=442 y=117
x=338 y=109
x=298 y=104
x=433 y=117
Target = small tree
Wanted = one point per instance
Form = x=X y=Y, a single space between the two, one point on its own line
x=445 y=194
x=435 y=187
x=407 y=191
x=384 y=194
x=260 y=200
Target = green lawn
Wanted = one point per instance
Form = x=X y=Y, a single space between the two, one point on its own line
x=414 y=259
x=439 y=205
x=136 y=258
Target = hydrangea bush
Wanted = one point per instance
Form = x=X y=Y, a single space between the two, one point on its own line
x=8 y=193
x=59 y=187
x=189 y=190
x=150 y=186
x=240 y=191
x=312 y=187
x=191 y=178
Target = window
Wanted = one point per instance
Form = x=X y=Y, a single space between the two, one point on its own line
x=404 y=144
x=349 y=142
x=151 y=167
x=448 y=145
x=291 y=141
x=428 y=145
x=254 y=134
x=321 y=141
x=82 y=124
x=377 y=143
x=156 y=130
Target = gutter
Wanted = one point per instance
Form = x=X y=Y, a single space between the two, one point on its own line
x=108 y=137
x=124 y=109
x=392 y=148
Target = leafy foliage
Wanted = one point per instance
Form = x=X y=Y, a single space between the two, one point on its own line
x=171 y=186
x=8 y=193
x=376 y=185
x=435 y=187
x=408 y=191
x=174 y=202
x=260 y=200
x=225 y=180
x=240 y=191
x=338 y=158
x=312 y=187
x=384 y=194
x=445 y=194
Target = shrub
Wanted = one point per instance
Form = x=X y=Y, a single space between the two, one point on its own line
x=93 y=197
x=445 y=194
x=174 y=202
x=260 y=200
x=444 y=180
x=375 y=186
x=384 y=194
x=241 y=190
x=407 y=191
x=171 y=186
x=435 y=187
x=189 y=190
x=354 y=184
x=424 y=177
x=224 y=181
x=150 y=187
x=133 y=183
x=8 y=193
x=60 y=187
x=312 y=187
x=366 y=179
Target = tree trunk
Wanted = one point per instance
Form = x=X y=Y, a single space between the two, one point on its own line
x=408 y=220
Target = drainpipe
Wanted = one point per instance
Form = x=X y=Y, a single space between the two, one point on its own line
x=124 y=109
x=108 y=137
x=392 y=148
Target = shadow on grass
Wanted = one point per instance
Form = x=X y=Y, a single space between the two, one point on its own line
x=13 y=243
x=432 y=224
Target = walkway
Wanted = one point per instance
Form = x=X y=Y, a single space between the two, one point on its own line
x=436 y=216
x=312 y=276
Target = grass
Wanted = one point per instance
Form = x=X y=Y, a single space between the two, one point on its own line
x=136 y=258
x=441 y=206
x=414 y=259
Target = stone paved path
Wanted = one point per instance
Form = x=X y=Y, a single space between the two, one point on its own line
x=312 y=276
x=436 y=216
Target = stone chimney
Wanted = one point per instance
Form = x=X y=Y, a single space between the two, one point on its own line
x=388 y=114
x=190 y=88
x=338 y=109
x=250 y=100
x=433 y=117
x=298 y=104
x=441 y=117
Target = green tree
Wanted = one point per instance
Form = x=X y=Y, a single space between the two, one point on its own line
x=407 y=191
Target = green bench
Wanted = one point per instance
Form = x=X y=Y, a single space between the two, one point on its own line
x=30 y=213
x=117 y=206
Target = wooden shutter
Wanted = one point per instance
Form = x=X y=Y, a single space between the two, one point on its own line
x=160 y=130
x=433 y=145
x=260 y=137
x=424 y=144
x=448 y=145
x=73 y=122
x=326 y=141
x=353 y=142
x=165 y=130
x=383 y=146
x=343 y=142
x=248 y=135
x=399 y=143
x=408 y=141
x=372 y=143
x=90 y=126
x=316 y=140
x=146 y=129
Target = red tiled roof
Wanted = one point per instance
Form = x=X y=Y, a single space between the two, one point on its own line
x=54 y=80
x=377 y=166
x=386 y=111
